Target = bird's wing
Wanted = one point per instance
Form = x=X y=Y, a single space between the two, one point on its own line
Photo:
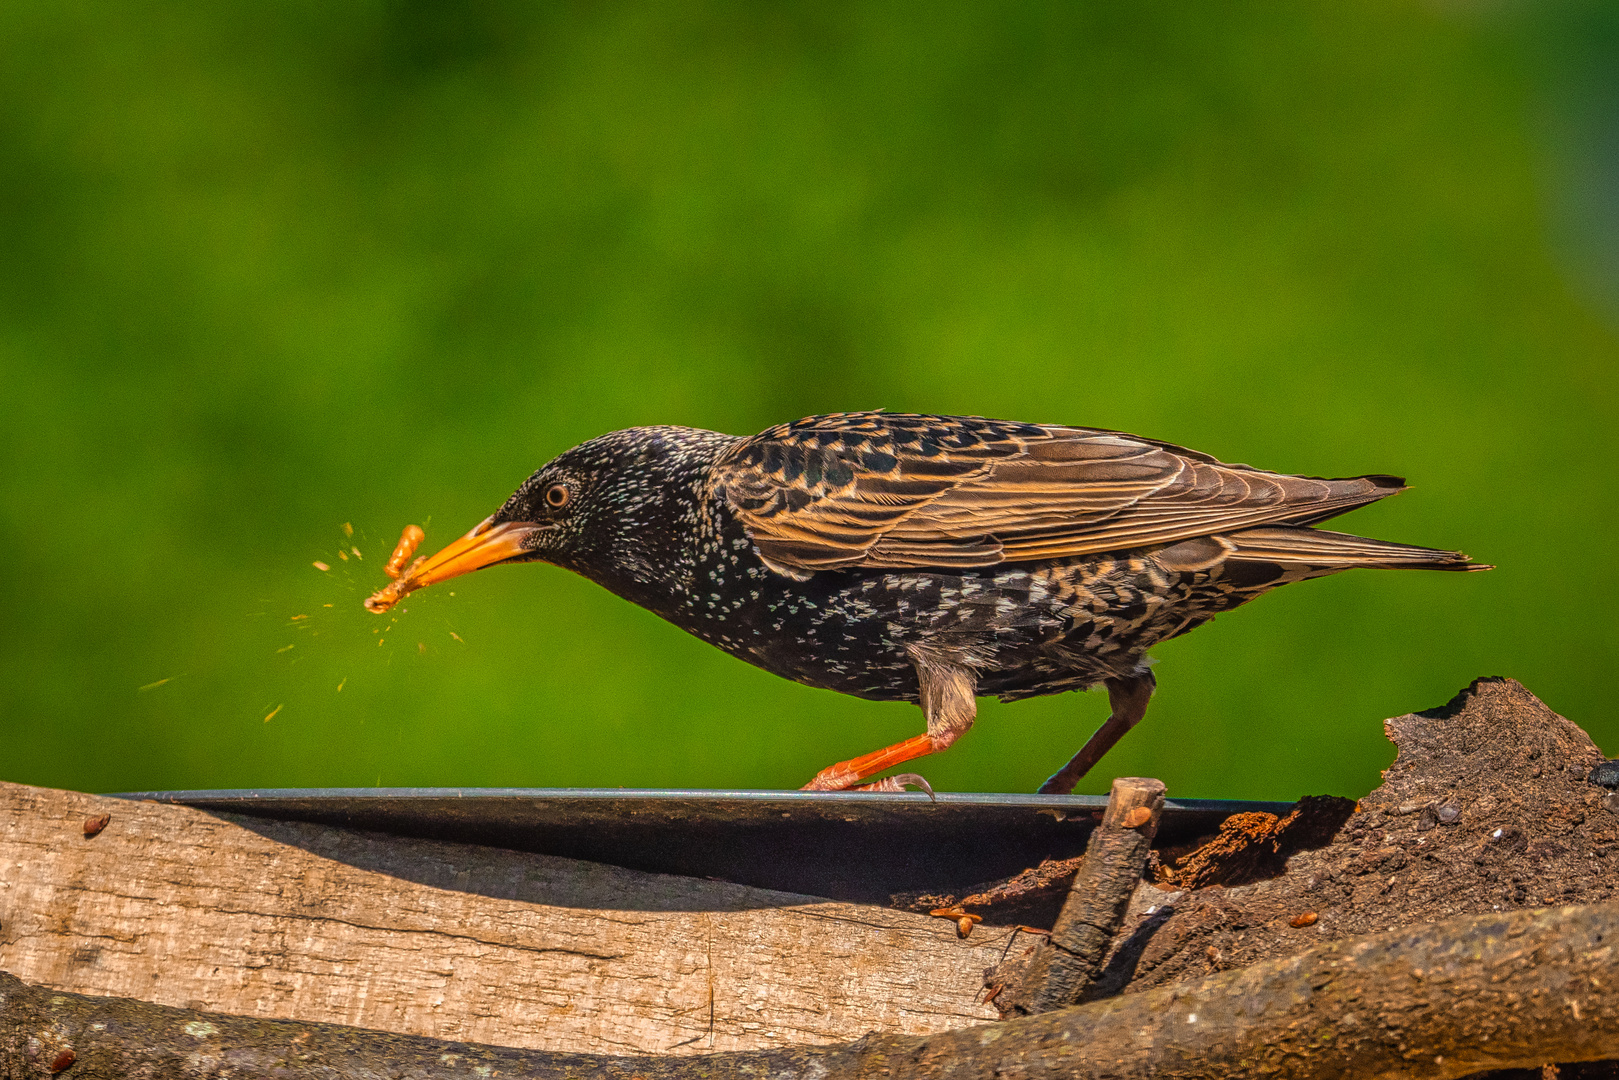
x=893 y=490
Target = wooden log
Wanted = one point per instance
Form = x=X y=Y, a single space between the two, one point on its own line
x=1068 y=962
x=1515 y=989
x=297 y=921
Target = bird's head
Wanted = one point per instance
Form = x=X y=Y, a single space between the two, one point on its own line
x=606 y=508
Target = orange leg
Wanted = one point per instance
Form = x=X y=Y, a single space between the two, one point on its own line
x=947 y=702
x=846 y=774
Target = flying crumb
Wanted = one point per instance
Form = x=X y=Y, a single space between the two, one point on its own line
x=273 y=711
x=340 y=684
x=456 y=636
x=152 y=685
x=348 y=530
x=320 y=565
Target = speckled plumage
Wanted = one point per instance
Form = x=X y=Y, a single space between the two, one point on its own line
x=920 y=558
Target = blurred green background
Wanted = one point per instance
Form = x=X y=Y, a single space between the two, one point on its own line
x=267 y=269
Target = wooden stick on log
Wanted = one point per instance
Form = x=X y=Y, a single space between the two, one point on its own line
x=1066 y=964
x=1514 y=989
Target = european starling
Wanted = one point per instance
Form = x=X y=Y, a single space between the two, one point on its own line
x=928 y=558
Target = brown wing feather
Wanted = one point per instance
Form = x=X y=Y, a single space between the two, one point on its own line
x=894 y=490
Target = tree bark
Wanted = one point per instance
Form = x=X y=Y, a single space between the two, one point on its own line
x=1068 y=962
x=1515 y=989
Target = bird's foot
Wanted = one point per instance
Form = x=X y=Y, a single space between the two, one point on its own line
x=1057 y=785
x=841 y=778
x=900 y=782
x=846 y=774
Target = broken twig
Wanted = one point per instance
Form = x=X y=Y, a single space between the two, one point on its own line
x=1068 y=962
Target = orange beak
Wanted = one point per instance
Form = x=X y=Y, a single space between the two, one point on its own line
x=484 y=546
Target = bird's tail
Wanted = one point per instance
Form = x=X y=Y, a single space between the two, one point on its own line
x=1319 y=548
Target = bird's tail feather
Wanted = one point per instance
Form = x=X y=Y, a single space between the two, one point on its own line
x=1317 y=547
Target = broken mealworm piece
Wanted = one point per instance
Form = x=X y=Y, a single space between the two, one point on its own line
x=387 y=596
x=391 y=593
x=964 y=920
x=408 y=541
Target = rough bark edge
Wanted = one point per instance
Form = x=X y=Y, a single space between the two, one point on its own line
x=1515 y=989
x=1065 y=965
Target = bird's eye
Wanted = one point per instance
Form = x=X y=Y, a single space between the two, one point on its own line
x=557 y=496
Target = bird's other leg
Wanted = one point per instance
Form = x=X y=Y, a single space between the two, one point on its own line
x=950 y=708
x=1127 y=698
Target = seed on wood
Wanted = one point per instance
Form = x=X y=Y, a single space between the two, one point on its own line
x=62 y=1060
x=93 y=826
x=408 y=542
x=1137 y=817
x=1307 y=918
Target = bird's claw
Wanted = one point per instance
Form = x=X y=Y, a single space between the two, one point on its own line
x=899 y=783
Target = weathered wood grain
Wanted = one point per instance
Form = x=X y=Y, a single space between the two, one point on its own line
x=285 y=920
x=1508 y=990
